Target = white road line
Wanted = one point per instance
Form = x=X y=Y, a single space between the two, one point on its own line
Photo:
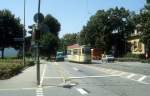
x=53 y=77
x=18 y=89
x=39 y=92
x=130 y=76
x=76 y=69
x=114 y=72
x=81 y=77
x=142 y=78
x=123 y=73
x=56 y=63
x=82 y=91
x=42 y=78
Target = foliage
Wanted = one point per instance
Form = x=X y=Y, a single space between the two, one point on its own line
x=99 y=30
x=68 y=39
x=11 y=67
x=49 y=43
x=49 y=40
x=145 y=22
x=53 y=24
x=10 y=28
x=130 y=55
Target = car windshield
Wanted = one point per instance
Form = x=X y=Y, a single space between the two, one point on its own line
x=60 y=54
x=109 y=56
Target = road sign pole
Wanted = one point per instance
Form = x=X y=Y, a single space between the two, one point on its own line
x=38 y=60
x=38 y=64
x=23 y=51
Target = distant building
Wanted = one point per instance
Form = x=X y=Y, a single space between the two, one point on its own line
x=137 y=47
x=9 y=52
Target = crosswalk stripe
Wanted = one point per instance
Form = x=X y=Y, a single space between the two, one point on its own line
x=142 y=78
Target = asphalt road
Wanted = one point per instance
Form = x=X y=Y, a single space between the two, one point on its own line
x=72 y=79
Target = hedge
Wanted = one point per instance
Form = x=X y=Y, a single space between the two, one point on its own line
x=11 y=67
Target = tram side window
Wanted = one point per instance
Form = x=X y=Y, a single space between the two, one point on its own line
x=75 y=51
x=68 y=52
x=86 y=51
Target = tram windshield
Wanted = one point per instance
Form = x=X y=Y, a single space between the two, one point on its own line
x=86 y=51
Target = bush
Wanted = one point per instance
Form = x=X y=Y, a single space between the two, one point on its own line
x=11 y=67
x=9 y=70
x=128 y=59
x=30 y=63
x=145 y=61
x=138 y=56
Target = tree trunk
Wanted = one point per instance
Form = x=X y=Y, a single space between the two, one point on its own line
x=2 y=53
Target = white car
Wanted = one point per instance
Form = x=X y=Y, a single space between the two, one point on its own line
x=107 y=58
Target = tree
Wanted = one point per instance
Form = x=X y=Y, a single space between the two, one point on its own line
x=99 y=30
x=144 y=20
x=49 y=40
x=10 y=28
x=68 y=39
x=49 y=44
x=53 y=24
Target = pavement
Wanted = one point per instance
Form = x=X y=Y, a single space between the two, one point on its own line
x=73 y=79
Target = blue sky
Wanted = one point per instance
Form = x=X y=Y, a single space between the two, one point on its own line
x=72 y=14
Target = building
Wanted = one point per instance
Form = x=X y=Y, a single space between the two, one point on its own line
x=136 y=46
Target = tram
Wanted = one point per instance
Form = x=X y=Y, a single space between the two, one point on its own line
x=77 y=53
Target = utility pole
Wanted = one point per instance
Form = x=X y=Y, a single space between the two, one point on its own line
x=23 y=51
x=37 y=49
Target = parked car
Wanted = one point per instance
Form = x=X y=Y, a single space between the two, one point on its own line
x=107 y=58
x=60 y=56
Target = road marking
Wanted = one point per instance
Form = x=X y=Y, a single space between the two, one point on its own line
x=82 y=77
x=76 y=69
x=82 y=91
x=39 y=92
x=14 y=89
x=114 y=72
x=53 y=77
x=130 y=76
x=42 y=78
x=142 y=78
x=122 y=73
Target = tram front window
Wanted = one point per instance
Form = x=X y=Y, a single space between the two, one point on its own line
x=86 y=51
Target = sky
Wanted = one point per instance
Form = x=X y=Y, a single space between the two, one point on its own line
x=72 y=14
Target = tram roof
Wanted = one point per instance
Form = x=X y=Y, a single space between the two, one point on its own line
x=74 y=46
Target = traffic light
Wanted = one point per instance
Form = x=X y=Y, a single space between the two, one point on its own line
x=35 y=31
x=148 y=1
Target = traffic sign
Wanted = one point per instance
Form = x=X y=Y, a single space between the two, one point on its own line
x=38 y=17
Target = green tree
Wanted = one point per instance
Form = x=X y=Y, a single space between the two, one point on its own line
x=68 y=39
x=99 y=30
x=144 y=20
x=49 y=44
x=10 y=28
x=49 y=40
x=53 y=24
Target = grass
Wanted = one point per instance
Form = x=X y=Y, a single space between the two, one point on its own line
x=11 y=67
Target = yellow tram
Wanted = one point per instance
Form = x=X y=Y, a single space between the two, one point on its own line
x=77 y=53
